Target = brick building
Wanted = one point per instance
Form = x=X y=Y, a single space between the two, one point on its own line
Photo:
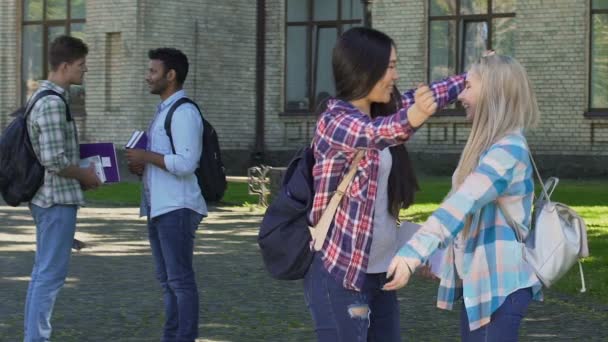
x=259 y=68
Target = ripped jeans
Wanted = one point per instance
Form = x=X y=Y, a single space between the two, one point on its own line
x=340 y=314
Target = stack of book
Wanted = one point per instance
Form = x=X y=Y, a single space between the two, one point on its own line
x=103 y=156
x=96 y=161
x=138 y=139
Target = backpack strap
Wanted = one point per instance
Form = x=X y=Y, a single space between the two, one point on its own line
x=169 y=117
x=511 y=222
x=544 y=191
x=319 y=232
x=44 y=93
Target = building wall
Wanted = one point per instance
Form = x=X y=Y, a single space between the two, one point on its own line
x=115 y=99
x=283 y=133
x=220 y=40
x=221 y=50
x=553 y=37
x=220 y=45
x=552 y=42
x=9 y=56
x=226 y=72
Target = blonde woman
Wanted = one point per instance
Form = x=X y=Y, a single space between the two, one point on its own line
x=484 y=262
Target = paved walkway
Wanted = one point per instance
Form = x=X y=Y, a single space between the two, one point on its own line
x=111 y=293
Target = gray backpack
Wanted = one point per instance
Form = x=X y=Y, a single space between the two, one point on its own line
x=557 y=238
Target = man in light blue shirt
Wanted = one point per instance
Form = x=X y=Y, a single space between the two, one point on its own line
x=171 y=196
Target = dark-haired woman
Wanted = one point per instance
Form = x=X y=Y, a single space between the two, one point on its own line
x=342 y=289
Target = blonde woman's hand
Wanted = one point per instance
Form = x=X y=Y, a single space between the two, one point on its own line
x=424 y=106
x=401 y=273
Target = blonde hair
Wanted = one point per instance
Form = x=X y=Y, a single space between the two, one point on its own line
x=506 y=103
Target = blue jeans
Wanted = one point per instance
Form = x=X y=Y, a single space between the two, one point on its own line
x=504 y=323
x=172 y=241
x=340 y=314
x=55 y=227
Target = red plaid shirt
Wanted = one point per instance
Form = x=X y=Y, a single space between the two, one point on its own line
x=340 y=130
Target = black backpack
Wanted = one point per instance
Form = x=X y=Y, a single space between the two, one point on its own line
x=21 y=174
x=211 y=173
x=284 y=237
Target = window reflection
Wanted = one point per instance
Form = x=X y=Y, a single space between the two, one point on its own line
x=442 y=7
x=352 y=9
x=475 y=42
x=599 y=61
x=56 y=9
x=324 y=85
x=297 y=95
x=78 y=9
x=313 y=27
x=31 y=62
x=32 y=10
x=442 y=49
x=503 y=35
x=326 y=10
x=297 y=10
x=468 y=32
x=460 y=30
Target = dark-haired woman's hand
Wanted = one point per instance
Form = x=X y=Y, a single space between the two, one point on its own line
x=424 y=106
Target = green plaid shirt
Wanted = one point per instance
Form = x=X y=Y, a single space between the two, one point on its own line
x=55 y=142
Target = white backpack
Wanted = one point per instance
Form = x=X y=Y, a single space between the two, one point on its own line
x=557 y=239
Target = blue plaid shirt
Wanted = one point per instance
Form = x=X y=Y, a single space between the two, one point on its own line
x=492 y=262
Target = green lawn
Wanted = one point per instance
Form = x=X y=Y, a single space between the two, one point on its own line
x=129 y=194
x=588 y=197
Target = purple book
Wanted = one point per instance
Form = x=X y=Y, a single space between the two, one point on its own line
x=138 y=139
x=107 y=153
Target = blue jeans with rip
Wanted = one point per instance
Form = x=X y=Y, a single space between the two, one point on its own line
x=55 y=227
x=172 y=241
x=340 y=314
x=504 y=322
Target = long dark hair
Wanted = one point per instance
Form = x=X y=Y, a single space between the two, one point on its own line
x=402 y=181
x=359 y=60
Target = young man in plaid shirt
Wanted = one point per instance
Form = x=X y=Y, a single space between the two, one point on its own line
x=55 y=142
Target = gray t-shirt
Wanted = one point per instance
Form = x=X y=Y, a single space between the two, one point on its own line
x=385 y=239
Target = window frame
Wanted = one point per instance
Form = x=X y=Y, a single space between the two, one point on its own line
x=312 y=28
x=591 y=111
x=460 y=20
x=45 y=25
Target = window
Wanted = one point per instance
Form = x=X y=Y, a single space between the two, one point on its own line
x=460 y=30
x=43 y=21
x=312 y=29
x=598 y=80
